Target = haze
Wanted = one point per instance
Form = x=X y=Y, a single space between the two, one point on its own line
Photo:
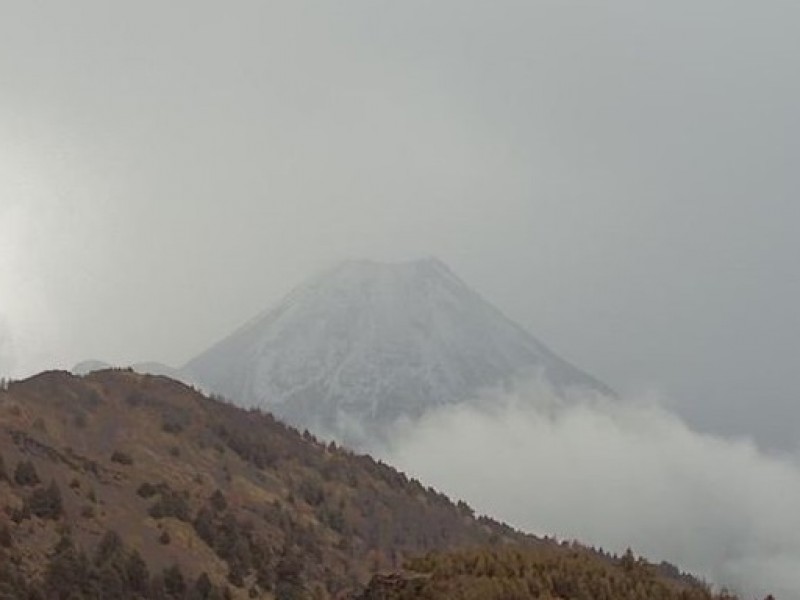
x=617 y=177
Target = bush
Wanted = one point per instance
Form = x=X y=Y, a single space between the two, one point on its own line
x=218 y=501
x=121 y=458
x=174 y=420
x=25 y=474
x=174 y=582
x=171 y=504
x=109 y=548
x=46 y=503
x=311 y=491
x=138 y=574
x=147 y=490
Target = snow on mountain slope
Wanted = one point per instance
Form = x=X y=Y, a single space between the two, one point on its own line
x=367 y=344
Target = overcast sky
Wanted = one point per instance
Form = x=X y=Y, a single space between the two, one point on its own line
x=620 y=178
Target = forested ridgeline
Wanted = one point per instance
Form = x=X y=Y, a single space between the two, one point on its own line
x=549 y=572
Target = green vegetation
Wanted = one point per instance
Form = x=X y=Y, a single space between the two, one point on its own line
x=546 y=572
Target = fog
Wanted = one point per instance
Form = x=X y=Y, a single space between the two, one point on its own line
x=620 y=178
x=618 y=473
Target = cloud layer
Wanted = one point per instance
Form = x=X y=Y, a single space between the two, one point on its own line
x=618 y=474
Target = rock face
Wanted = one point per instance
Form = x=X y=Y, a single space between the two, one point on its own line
x=365 y=345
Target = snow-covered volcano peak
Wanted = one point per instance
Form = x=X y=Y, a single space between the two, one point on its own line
x=366 y=344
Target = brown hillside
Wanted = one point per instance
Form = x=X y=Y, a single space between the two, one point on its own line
x=176 y=478
x=123 y=486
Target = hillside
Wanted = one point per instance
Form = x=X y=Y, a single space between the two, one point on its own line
x=234 y=498
x=364 y=345
x=122 y=485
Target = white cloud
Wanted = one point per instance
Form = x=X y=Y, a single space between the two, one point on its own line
x=618 y=474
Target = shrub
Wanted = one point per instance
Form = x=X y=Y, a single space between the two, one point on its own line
x=147 y=490
x=110 y=547
x=46 y=503
x=121 y=458
x=171 y=504
x=174 y=582
x=218 y=501
x=311 y=491
x=25 y=474
x=174 y=420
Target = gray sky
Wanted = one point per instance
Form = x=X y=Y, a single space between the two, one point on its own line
x=618 y=177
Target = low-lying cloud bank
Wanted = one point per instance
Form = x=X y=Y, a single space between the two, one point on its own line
x=618 y=473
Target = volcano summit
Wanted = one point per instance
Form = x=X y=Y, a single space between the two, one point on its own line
x=365 y=345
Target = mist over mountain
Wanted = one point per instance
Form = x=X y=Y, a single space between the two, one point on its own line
x=367 y=345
